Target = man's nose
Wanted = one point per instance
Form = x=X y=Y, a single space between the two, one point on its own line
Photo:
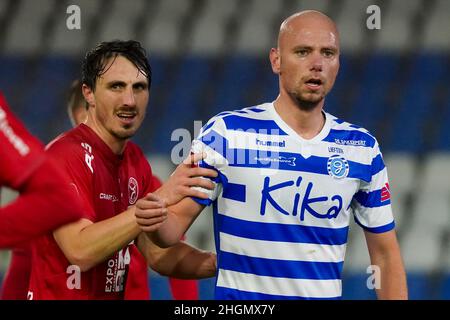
x=317 y=62
x=129 y=98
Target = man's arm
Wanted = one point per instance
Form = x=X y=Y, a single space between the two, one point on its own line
x=180 y=212
x=86 y=244
x=181 y=261
x=179 y=218
x=384 y=252
x=184 y=289
x=45 y=203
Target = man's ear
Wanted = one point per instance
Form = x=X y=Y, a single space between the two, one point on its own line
x=275 y=60
x=88 y=94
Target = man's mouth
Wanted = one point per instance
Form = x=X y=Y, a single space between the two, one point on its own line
x=126 y=116
x=314 y=83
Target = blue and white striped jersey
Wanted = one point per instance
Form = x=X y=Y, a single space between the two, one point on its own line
x=282 y=204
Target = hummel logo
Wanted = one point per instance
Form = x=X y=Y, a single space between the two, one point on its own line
x=281 y=144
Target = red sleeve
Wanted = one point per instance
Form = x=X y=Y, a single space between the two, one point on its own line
x=17 y=278
x=45 y=203
x=20 y=152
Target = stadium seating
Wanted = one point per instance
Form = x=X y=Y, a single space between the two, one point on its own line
x=212 y=55
x=21 y=38
x=209 y=31
x=73 y=42
x=396 y=33
x=163 y=33
x=435 y=35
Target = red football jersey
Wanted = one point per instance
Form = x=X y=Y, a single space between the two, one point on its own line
x=107 y=184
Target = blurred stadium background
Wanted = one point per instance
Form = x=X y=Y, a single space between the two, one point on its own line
x=212 y=55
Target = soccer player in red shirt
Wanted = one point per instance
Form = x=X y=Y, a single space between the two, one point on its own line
x=89 y=259
x=137 y=287
x=44 y=203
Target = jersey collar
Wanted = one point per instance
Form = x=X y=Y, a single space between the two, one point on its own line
x=286 y=128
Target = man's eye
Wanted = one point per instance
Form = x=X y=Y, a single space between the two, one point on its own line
x=302 y=52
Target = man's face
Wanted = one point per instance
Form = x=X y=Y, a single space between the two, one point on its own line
x=307 y=60
x=120 y=99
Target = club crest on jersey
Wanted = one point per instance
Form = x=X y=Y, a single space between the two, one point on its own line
x=133 y=190
x=337 y=167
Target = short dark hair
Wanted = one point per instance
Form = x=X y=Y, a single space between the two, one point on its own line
x=94 y=63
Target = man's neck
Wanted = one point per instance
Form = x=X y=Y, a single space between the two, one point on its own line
x=306 y=123
x=116 y=145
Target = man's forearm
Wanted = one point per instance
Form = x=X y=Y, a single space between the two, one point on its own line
x=95 y=242
x=384 y=252
x=169 y=233
x=190 y=263
x=393 y=278
x=179 y=261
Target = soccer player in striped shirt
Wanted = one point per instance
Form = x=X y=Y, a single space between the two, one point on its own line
x=290 y=177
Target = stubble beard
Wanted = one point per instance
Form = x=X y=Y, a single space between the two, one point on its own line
x=123 y=133
x=304 y=103
x=126 y=131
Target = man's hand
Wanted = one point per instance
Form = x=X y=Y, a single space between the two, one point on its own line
x=151 y=212
x=185 y=176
